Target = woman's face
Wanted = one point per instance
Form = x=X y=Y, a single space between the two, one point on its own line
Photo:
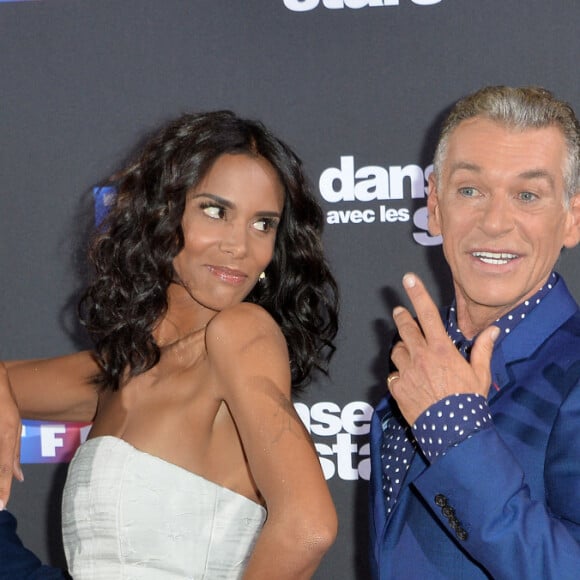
x=229 y=227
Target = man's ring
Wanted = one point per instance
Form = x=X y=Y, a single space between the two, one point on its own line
x=391 y=378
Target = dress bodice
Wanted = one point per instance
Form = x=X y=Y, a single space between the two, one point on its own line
x=130 y=515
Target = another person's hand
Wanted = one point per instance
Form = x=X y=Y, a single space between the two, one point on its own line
x=429 y=366
x=10 y=431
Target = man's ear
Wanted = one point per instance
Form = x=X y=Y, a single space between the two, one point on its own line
x=572 y=226
x=434 y=222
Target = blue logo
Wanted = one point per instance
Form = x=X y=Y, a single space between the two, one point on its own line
x=103 y=197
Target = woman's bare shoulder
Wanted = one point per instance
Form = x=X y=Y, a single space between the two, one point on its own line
x=241 y=325
x=244 y=342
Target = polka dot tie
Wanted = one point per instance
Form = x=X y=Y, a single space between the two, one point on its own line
x=397 y=450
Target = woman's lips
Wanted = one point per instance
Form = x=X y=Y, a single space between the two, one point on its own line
x=228 y=275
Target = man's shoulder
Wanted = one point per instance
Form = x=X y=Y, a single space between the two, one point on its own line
x=571 y=328
x=549 y=335
x=561 y=306
x=558 y=311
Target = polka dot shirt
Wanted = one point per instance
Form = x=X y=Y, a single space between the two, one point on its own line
x=449 y=422
x=506 y=323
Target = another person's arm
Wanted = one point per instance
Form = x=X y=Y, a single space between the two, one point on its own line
x=55 y=389
x=16 y=560
x=250 y=356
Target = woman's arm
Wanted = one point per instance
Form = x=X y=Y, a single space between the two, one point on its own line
x=249 y=355
x=56 y=389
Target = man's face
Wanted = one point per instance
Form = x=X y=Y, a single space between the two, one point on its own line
x=500 y=207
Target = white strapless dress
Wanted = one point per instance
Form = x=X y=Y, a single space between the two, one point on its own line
x=130 y=515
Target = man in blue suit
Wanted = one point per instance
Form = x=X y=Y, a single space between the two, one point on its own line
x=17 y=562
x=476 y=466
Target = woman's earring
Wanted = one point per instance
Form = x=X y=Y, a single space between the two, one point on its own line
x=262 y=276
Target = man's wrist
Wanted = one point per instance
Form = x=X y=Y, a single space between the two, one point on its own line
x=449 y=422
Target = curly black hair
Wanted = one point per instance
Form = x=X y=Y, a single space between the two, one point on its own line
x=133 y=250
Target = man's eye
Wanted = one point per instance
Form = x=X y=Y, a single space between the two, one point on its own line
x=527 y=196
x=213 y=211
x=468 y=191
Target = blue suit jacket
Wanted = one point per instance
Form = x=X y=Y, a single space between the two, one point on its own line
x=514 y=487
x=16 y=562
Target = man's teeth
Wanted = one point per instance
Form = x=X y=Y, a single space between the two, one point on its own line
x=494 y=257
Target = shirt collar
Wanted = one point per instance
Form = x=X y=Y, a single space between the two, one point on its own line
x=506 y=323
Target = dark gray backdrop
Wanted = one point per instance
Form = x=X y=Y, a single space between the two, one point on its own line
x=362 y=80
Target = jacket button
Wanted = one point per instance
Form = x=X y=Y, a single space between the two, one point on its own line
x=454 y=523
x=448 y=511
x=440 y=500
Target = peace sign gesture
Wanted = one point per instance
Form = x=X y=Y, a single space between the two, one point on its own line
x=429 y=366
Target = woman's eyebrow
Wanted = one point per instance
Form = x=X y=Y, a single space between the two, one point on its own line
x=230 y=205
x=222 y=201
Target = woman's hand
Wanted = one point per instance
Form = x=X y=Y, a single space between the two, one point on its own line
x=10 y=431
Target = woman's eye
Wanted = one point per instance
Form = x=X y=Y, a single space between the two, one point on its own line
x=265 y=224
x=213 y=211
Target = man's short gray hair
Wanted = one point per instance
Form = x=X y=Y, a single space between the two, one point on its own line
x=520 y=109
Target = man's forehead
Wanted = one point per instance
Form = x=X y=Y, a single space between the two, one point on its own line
x=473 y=126
x=480 y=138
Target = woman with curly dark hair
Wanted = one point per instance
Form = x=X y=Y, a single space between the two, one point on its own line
x=210 y=300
